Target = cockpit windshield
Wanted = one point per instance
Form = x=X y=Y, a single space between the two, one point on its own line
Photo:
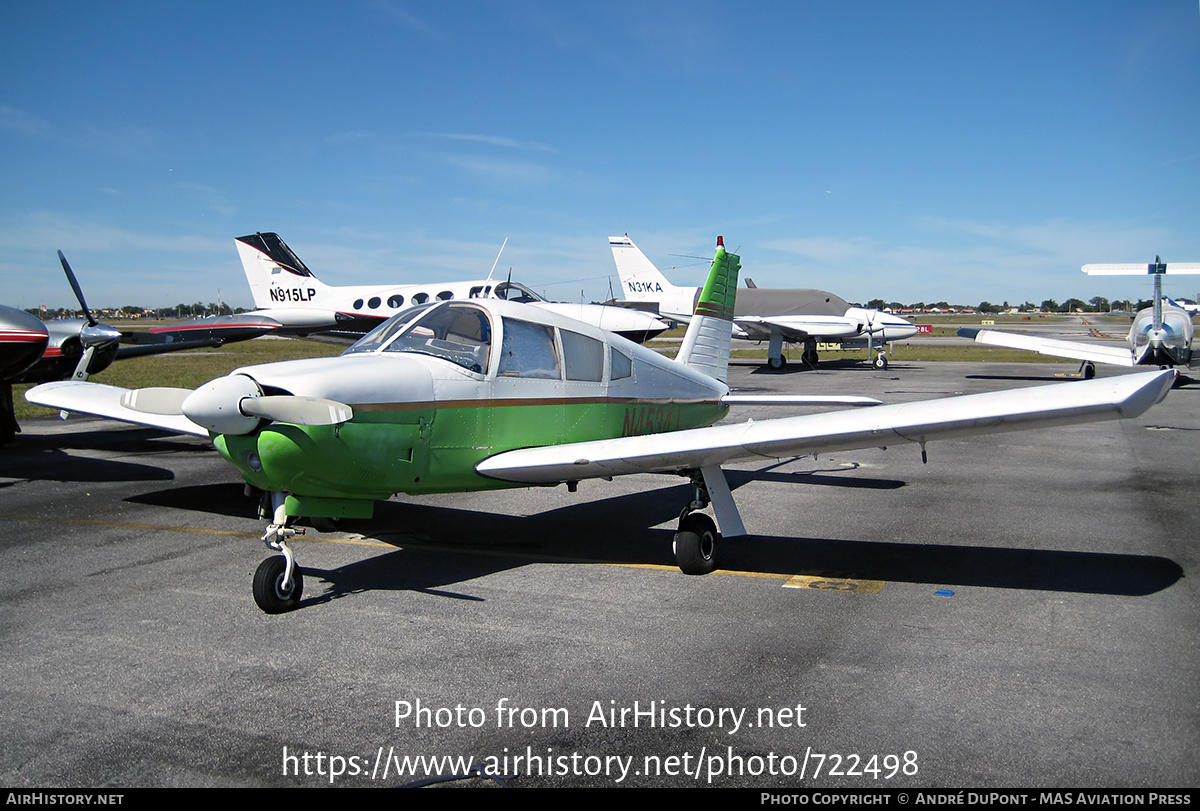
x=456 y=331
x=383 y=333
x=515 y=291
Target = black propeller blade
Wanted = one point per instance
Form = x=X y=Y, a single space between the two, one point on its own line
x=78 y=291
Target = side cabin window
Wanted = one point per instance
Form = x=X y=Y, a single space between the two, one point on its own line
x=528 y=351
x=459 y=333
x=583 y=356
x=620 y=365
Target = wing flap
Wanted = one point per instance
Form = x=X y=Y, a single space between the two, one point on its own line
x=1075 y=350
x=100 y=400
x=881 y=426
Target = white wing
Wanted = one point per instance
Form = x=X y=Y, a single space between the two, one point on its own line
x=881 y=426
x=105 y=401
x=1076 y=350
x=795 y=328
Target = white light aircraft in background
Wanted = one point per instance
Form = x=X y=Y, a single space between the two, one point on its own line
x=1161 y=335
x=286 y=291
x=777 y=316
x=479 y=394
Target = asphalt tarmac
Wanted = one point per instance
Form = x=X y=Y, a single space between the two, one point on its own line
x=1018 y=612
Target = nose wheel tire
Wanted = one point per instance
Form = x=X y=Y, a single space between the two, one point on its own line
x=881 y=361
x=269 y=593
x=696 y=544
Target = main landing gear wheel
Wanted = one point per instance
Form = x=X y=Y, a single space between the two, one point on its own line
x=881 y=361
x=268 y=586
x=696 y=544
x=777 y=363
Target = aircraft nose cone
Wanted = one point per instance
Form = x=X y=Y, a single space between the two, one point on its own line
x=216 y=405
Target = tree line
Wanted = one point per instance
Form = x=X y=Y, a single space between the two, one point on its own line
x=1096 y=304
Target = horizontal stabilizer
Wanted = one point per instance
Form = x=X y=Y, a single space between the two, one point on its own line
x=105 y=401
x=882 y=426
x=1142 y=269
x=1075 y=350
x=799 y=399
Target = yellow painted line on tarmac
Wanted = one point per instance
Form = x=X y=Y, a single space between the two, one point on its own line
x=796 y=581
x=804 y=581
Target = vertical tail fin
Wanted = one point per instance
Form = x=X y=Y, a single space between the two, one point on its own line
x=706 y=344
x=639 y=277
x=270 y=265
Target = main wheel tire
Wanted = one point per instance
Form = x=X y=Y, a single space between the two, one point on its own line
x=696 y=544
x=881 y=361
x=1089 y=370
x=268 y=586
x=777 y=363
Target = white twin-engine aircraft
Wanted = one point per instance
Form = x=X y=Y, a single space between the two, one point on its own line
x=1161 y=335
x=774 y=315
x=478 y=393
x=286 y=291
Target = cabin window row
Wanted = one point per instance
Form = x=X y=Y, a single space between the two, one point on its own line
x=512 y=291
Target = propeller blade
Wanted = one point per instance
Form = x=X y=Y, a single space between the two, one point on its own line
x=78 y=292
x=236 y=405
x=297 y=410
x=156 y=400
x=81 y=368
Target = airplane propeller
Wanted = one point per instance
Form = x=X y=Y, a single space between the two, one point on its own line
x=235 y=404
x=92 y=335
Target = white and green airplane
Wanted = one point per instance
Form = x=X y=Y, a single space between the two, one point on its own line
x=483 y=393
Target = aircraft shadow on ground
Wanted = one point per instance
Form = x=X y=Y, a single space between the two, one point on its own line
x=440 y=546
x=227 y=499
x=955 y=565
x=106 y=437
x=44 y=457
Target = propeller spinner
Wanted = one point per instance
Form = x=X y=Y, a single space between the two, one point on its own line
x=235 y=404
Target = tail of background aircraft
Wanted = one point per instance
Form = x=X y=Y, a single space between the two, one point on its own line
x=264 y=257
x=639 y=277
x=706 y=344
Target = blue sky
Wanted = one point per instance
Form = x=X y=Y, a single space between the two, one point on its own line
x=912 y=151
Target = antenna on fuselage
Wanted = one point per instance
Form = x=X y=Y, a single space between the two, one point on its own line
x=493 y=270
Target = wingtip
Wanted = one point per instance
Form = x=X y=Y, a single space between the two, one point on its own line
x=1145 y=390
x=968 y=332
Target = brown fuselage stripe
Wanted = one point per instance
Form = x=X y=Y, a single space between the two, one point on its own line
x=523 y=401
